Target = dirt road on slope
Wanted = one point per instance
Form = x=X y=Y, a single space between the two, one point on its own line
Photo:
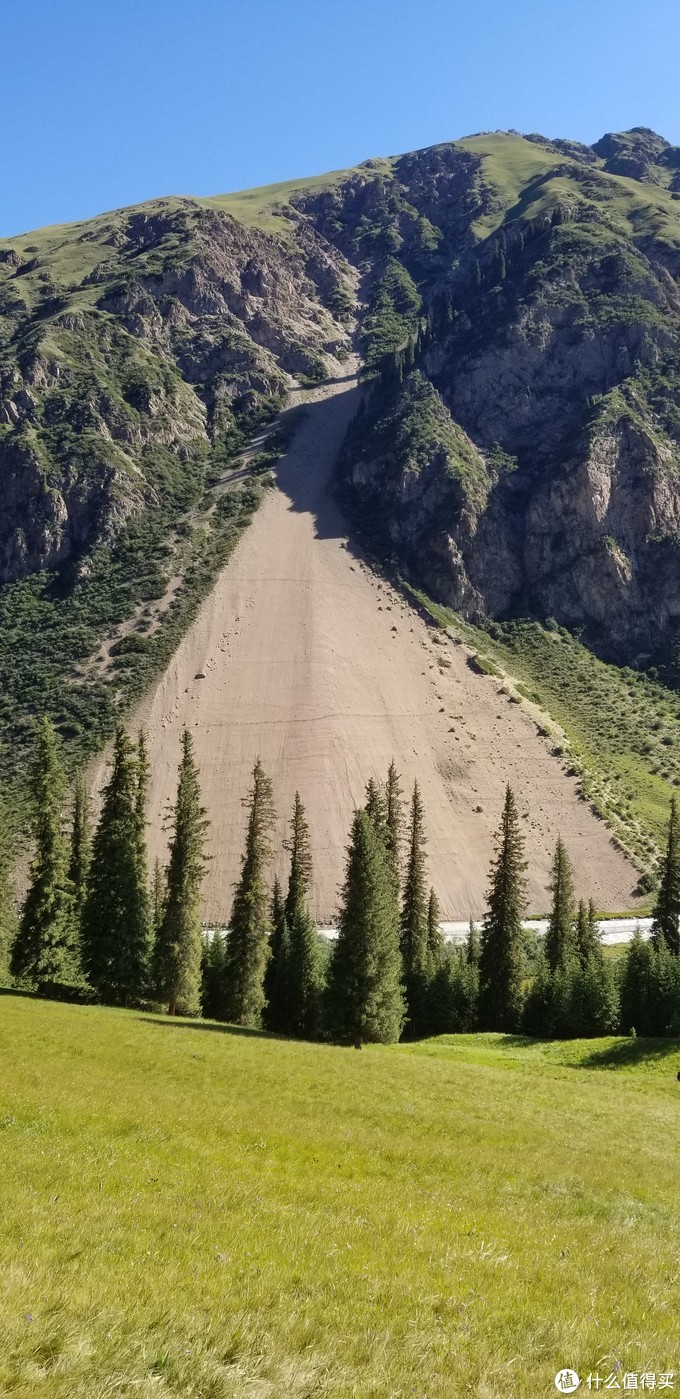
x=315 y=664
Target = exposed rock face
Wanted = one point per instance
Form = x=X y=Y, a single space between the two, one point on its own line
x=190 y=322
x=522 y=454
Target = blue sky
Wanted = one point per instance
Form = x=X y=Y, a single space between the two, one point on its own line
x=107 y=102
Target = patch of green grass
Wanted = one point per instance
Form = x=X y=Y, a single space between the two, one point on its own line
x=623 y=729
x=192 y=1210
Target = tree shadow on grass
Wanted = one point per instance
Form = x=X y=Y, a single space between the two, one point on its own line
x=170 y=1022
x=621 y=1053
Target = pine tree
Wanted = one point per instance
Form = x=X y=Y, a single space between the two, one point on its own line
x=81 y=847
x=7 y=916
x=45 y=949
x=301 y=976
x=247 y=951
x=501 y=943
x=276 y=973
x=159 y=894
x=559 y=938
x=394 y=821
x=177 y=953
x=413 y=928
x=365 y=995
x=212 y=975
x=376 y=808
x=116 y=926
x=666 y=914
x=436 y=947
x=587 y=934
x=473 y=950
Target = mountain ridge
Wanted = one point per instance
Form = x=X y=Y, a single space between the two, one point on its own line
x=516 y=301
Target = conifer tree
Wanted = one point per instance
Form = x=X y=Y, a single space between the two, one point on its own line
x=247 y=951
x=587 y=934
x=501 y=942
x=666 y=914
x=116 y=925
x=473 y=949
x=276 y=973
x=365 y=995
x=7 y=916
x=436 y=949
x=45 y=949
x=302 y=974
x=376 y=809
x=81 y=847
x=177 y=953
x=159 y=894
x=212 y=975
x=394 y=820
x=413 y=928
x=559 y=938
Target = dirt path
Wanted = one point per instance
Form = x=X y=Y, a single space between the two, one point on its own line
x=316 y=665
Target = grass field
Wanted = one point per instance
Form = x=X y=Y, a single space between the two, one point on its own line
x=190 y=1210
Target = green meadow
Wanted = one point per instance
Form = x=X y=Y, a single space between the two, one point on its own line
x=192 y=1210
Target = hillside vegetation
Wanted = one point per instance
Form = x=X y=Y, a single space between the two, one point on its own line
x=516 y=303
x=456 y=1217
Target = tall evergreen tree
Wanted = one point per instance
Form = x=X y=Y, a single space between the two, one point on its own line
x=159 y=895
x=666 y=914
x=276 y=972
x=436 y=947
x=81 y=847
x=587 y=934
x=559 y=938
x=45 y=949
x=177 y=954
x=473 y=950
x=7 y=915
x=247 y=951
x=394 y=820
x=501 y=942
x=375 y=807
x=365 y=995
x=302 y=974
x=413 y=928
x=116 y=926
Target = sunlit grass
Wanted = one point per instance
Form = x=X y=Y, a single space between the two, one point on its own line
x=194 y=1211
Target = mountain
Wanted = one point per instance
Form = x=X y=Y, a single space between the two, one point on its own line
x=516 y=303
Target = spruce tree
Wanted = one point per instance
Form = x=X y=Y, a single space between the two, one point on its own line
x=177 y=953
x=666 y=913
x=587 y=934
x=436 y=947
x=159 y=894
x=501 y=942
x=45 y=950
x=365 y=995
x=7 y=916
x=247 y=951
x=116 y=925
x=81 y=847
x=394 y=820
x=413 y=928
x=473 y=950
x=375 y=807
x=559 y=938
x=301 y=947
x=212 y=975
x=276 y=973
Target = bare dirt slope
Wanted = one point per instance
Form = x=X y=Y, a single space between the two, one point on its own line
x=315 y=664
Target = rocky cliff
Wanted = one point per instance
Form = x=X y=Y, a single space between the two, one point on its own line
x=517 y=304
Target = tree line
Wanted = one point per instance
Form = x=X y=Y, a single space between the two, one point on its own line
x=93 y=924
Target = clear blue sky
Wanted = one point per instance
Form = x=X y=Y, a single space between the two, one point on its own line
x=107 y=102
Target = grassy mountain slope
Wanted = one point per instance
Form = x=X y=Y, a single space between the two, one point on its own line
x=299 y=1219
x=519 y=453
